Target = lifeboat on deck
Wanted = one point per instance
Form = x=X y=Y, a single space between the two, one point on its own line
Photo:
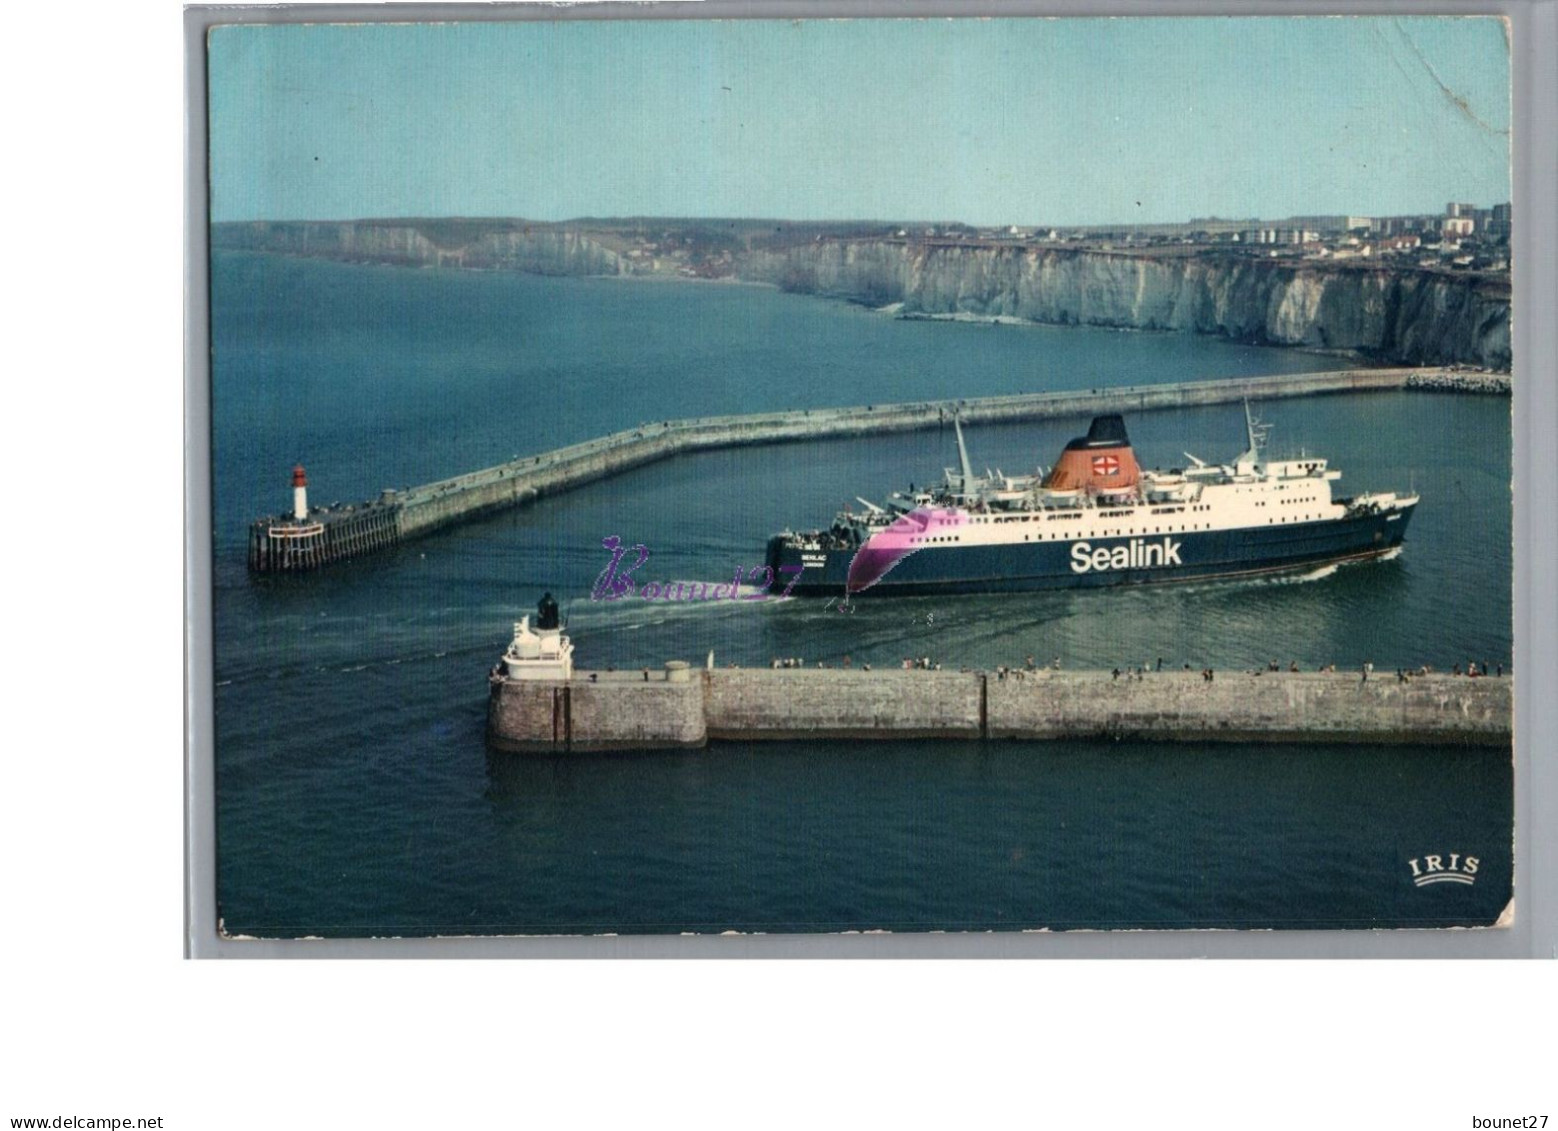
x=1166 y=487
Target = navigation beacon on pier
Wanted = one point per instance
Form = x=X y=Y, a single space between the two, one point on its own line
x=542 y=653
x=310 y=537
x=297 y=541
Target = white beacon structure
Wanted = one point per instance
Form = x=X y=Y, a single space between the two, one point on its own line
x=542 y=653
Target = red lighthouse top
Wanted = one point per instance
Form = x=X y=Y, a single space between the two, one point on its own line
x=298 y=478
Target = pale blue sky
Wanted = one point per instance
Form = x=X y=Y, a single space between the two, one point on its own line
x=986 y=121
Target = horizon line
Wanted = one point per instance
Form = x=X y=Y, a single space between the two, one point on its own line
x=835 y=222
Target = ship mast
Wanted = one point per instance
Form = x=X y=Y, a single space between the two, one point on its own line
x=1255 y=432
x=968 y=472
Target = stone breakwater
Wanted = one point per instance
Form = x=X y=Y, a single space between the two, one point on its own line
x=1450 y=381
x=1396 y=314
x=646 y=709
x=399 y=515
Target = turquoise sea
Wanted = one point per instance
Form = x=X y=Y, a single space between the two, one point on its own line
x=355 y=796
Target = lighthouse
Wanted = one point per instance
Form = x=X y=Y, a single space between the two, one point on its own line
x=299 y=494
x=296 y=541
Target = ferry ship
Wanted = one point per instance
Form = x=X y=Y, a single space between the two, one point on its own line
x=1095 y=519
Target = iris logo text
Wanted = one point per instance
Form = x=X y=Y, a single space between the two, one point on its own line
x=1450 y=867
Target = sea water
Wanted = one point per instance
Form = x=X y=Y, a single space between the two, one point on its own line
x=355 y=794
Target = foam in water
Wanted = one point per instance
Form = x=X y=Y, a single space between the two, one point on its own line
x=1318 y=574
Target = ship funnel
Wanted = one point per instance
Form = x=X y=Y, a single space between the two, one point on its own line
x=1100 y=461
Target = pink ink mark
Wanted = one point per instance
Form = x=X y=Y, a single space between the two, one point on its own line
x=890 y=545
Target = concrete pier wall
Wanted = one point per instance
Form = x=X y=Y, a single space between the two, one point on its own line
x=1236 y=706
x=625 y=712
x=796 y=703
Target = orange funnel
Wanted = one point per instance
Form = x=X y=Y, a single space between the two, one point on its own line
x=1101 y=460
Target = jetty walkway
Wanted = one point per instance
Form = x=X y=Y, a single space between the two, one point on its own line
x=687 y=708
x=280 y=544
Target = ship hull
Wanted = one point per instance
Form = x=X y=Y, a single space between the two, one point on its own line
x=1015 y=567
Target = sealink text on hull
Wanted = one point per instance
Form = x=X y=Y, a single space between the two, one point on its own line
x=1095 y=519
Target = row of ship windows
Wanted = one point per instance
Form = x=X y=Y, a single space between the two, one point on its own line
x=1065 y=535
x=1061 y=515
x=1030 y=517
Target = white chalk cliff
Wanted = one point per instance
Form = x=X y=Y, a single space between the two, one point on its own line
x=1399 y=314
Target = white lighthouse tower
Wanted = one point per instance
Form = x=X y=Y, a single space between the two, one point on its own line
x=299 y=494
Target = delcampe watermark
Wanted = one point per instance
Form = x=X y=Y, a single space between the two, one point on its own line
x=880 y=551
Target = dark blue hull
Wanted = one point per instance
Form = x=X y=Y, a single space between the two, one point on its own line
x=1096 y=562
